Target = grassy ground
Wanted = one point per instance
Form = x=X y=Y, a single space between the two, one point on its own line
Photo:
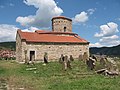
x=52 y=77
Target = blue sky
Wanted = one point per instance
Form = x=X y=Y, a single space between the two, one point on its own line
x=97 y=21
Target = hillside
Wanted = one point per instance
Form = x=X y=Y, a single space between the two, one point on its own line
x=115 y=50
x=7 y=45
x=17 y=76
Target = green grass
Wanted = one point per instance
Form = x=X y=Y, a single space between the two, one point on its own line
x=52 y=77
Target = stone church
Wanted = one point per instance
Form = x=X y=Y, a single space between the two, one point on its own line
x=61 y=40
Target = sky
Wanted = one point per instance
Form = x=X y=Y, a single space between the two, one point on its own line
x=97 y=21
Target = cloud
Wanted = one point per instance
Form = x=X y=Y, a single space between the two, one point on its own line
x=91 y=11
x=109 y=39
x=46 y=10
x=107 y=44
x=81 y=18
x=7 y=32
x=7 y=5
x=111 y=43
x=95 y=45
x=107 y=30
x=118 y=19
x=108 y=35
x=30 y=29
x=1 y=6
x=11 y=4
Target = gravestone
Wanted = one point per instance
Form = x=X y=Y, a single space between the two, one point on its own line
x=102 y=62
x=66 y=62
x=94 y=57
x=61 y=59
x=111 y=68
x=112 y=65
x=71 y=58
x=90 y=63
x=45 y=58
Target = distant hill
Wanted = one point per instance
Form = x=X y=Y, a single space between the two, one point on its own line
x=115 y=50
x=7 y=45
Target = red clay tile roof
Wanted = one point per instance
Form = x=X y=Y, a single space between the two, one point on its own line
x=44 y=36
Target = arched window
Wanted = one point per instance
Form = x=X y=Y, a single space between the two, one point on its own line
x=64 y=29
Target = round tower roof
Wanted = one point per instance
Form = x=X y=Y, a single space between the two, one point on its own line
x=61 y=17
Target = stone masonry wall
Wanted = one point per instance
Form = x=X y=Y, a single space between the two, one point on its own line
x=18 y=48
x=54 y=50
x=59 y=24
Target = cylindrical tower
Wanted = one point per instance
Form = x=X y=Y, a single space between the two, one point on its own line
x=61 y=24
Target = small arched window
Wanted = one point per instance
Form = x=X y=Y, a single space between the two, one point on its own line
x=64 y=29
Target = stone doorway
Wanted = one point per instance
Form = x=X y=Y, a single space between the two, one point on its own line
x=32 y=55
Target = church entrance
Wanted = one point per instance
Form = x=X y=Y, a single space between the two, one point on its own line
x=32 y=55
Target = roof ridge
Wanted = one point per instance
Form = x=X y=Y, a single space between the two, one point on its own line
x=52 y=32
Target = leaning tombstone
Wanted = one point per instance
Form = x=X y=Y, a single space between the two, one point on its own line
x=90 y=63
x=45 y=58
x=33 y=60
x=102 y=62
x=101 y=71
x=71 y=58
x=112 y=67
x=65 y=62
x=26 y=60
x=87 y=63
x=93 y=63
x=69 y=62
x=94 y=57
x=61 y=59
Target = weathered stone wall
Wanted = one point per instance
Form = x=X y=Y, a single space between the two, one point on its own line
x=59 y=24
x=23 y=50
x=54 y=50
x=18 y=48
